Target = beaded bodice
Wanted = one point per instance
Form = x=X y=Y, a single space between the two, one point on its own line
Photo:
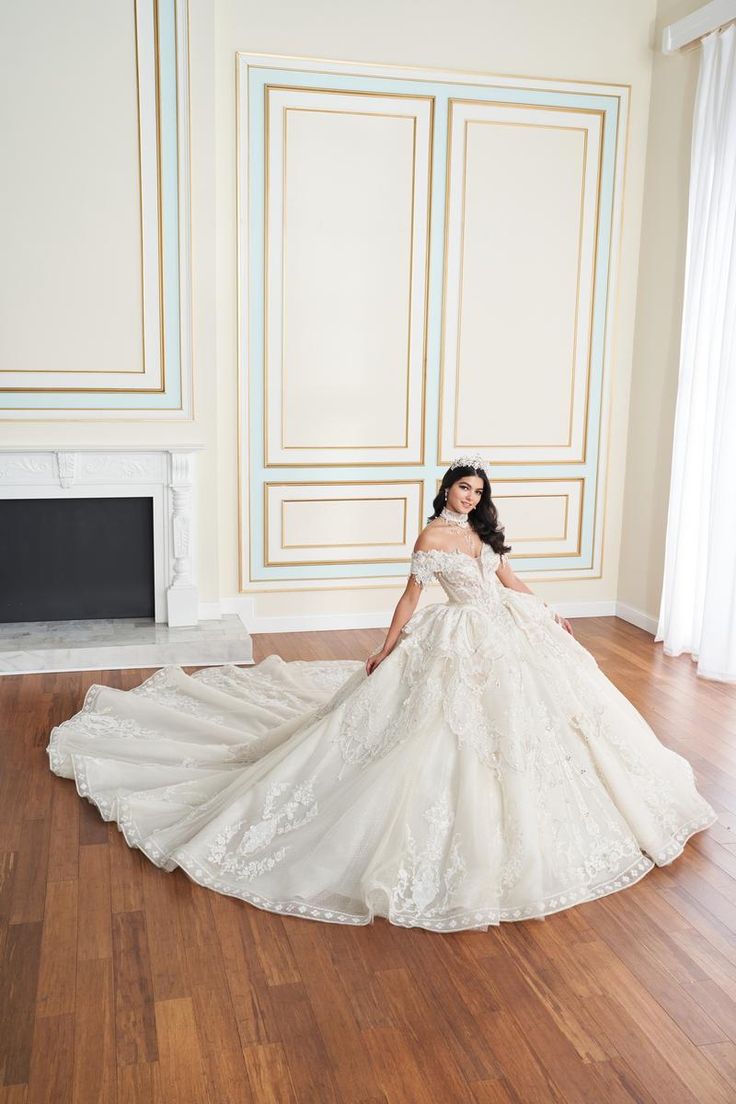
x=465 y=580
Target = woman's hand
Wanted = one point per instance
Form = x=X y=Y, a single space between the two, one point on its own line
x=565 y=624
x=561 y=621
x=373 y=661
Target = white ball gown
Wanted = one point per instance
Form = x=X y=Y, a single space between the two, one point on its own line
x=486 y=771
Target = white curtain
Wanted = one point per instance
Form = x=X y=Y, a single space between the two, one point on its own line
x=698 y=606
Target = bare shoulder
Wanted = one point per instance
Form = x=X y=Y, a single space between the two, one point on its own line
x=431 y=538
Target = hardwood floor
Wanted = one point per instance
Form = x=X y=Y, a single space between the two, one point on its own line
x=122 y=983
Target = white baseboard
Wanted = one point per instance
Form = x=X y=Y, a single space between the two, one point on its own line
x=307 y=622
x=637 y=617
x=210 y=611
x=322 y=622
x=585 y=609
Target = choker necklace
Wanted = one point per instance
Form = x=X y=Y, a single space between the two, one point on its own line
x=454 y=518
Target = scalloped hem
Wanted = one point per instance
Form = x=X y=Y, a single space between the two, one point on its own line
x=471 y=920
x=478 y=919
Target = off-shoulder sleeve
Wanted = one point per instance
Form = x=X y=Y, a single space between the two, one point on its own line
x=422 y=567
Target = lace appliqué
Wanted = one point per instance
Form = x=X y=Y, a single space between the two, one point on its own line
x=267 y=690
x=329 y=676
x=423 y=566
x=255 y=687
x=428 y=878
x=369 y=728
x=655 y=791
x=287 y=806
x=161 y=689
x=534 y=715
x=426 y=563
x=587 y=839
x=94 y=725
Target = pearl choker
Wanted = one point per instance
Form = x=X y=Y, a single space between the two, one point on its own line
x=454 y=518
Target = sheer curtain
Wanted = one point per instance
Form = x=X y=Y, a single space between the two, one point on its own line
x=698 y=605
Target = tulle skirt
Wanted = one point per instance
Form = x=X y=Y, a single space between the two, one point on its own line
x=486 y=771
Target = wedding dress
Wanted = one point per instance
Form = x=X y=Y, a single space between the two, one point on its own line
x=486 y=771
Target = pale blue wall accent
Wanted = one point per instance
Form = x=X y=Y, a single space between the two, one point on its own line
x=171 y=398
x=254 y=307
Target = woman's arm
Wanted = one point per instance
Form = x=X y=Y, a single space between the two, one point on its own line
x=510 y=579
x=405 y=607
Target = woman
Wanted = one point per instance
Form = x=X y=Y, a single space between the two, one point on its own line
x=480 y=767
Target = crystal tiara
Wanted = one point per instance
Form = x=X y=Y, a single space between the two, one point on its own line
x=476 y=462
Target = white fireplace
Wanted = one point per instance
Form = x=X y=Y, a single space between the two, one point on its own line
x=165 y=475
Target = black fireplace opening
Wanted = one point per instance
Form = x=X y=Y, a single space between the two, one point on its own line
x=68 y=559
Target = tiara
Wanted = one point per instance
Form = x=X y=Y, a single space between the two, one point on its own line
x=476 y=462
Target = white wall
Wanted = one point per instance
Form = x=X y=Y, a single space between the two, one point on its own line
x=658 y=321
x=611 y=40
x=106 y=431
x=608 y=41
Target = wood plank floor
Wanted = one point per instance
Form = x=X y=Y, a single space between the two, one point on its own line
x=125 y=984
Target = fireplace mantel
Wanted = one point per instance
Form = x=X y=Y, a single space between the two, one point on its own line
x=166 y=475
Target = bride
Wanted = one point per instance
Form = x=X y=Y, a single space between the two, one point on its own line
x=479 y=768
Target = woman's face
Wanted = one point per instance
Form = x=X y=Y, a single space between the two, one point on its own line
x=464 y=495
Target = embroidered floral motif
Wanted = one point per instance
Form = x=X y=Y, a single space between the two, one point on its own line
x=423 y=566
x=553 y=789
x=253 y=686
x=161 y=689
x=280 y=814
x=459 y=573
x=428 y=878
x=93 y=726
x=258 y=687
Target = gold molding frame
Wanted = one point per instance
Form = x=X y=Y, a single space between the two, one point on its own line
x=618 y=92
x=161 y=260
x=441 y=414
x=267 y=485
x=430 y=102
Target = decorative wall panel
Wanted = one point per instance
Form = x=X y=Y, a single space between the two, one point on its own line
x=426 y=268
x=543 y=517
x=110 y=296
x=522 y=209
x=341 y=522
x=346 y=207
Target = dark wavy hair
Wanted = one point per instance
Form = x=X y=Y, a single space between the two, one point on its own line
x=483 y=518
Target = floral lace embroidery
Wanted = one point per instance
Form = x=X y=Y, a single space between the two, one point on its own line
x=331 y=678
x=368 y=729
x=423 y=566
x=342 y=694
x=586 y=836
x=95 y=725
x=656 y=792
x=160 y=689
x=255 y=687
x=261 y=688
x=427 y=879
x=280 y=814
x=426 y=563
x=542 y=735
x=463 y=919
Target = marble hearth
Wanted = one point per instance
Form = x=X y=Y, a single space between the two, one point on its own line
x=175 y=635
x=119 y=643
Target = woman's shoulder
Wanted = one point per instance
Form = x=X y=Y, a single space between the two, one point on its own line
x=431 y=539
